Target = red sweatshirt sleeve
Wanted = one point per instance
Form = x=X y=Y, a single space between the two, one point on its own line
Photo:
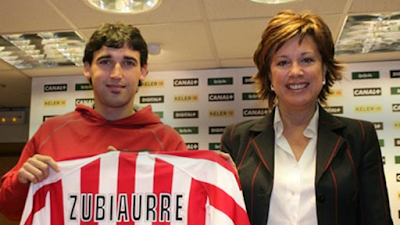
x=12 y=192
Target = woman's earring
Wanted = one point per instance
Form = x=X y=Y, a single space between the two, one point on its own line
x=272 y=87
x=323 y=81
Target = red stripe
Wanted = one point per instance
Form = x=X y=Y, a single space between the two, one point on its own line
x=126 y=181
x=56 y=201
x=90 y=186
x=39 y=201
x=197 y=203
x=226 y=204
x=163 y=175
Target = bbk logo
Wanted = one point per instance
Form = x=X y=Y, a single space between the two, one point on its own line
x=214 y=146
x=55 y=87
x=365 y=75
x=221 y=97
x=396 y=107
x=395 y=90
x=247 y=80
x=187 y=130
x=186 y=82
x=378 y=125
x=152 y=99
x=192 y=146
x=83 y=87
x=367 y=91
x=85 y=101
x=334 y=109
x=220 y=81
x=186 y=114
x=216 y=130
x=255 y=112
x=250 y=96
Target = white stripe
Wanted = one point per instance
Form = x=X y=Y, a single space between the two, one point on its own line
x=216 y=174
x=181 y=184
x=218 y=217
x=108 y=180
x=71 y=185
x=144 y=180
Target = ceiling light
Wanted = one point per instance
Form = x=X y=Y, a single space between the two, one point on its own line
x=154 y=48
x=25 y=51
x=274 y=1
x=369 y=33
x=124 y=6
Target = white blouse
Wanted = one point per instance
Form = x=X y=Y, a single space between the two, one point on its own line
x=293 y=194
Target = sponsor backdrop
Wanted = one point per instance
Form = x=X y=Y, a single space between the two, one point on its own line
x=200 y=103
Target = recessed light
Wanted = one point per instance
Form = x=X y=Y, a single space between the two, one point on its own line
x=124 y=6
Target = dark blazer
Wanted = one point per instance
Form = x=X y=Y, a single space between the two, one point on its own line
x=350 y=181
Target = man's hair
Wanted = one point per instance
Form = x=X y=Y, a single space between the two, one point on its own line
x=282 y=27
x=116 y=35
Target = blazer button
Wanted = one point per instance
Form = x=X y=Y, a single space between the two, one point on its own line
x=321 y=199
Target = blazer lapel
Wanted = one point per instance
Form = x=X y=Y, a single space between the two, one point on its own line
x=328 y=142
x=264 y=141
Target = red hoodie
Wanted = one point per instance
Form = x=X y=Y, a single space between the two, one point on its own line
x=85 y=132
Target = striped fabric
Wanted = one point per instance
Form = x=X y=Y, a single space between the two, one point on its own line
x=186 y=187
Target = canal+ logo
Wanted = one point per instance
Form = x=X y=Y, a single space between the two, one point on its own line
x=188 y=82
x=367 y=91
x=55 y=87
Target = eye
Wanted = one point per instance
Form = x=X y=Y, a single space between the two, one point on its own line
x=130 y=63
x=282 y=63
x=104 y=62
x=307 y=60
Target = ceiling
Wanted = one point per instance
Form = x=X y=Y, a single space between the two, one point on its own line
x=194 y=34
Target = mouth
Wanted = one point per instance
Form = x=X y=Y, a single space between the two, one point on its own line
x=296 y=86
x=115 y=88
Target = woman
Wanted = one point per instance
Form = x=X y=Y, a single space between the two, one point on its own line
x=299 y=164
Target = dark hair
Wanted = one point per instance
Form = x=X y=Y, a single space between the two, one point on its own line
x=282 y=27
x=116 y=36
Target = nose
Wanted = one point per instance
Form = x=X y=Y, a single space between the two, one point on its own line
x=295 y=70
x=116 y=72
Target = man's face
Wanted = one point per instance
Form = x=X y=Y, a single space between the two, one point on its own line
x=115 y=74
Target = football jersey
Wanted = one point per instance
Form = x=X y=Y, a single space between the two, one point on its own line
x=144 y=188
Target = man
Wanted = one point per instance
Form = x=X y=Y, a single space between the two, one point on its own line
x=115 y=63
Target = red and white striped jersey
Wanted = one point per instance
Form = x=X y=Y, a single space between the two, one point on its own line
x=185 y=187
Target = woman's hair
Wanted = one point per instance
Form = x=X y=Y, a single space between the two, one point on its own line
x=282 y=27
x=116 y=36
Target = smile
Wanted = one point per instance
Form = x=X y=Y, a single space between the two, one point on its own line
x=297 y=86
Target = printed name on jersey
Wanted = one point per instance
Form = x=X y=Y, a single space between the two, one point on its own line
x=135 y=207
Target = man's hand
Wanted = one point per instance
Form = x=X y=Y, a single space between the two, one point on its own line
x=36 y=169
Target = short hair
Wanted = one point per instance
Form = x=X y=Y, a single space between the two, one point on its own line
x=282 y=27
x=116 y=35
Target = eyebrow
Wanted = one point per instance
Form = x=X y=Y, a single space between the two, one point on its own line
x=109 y=56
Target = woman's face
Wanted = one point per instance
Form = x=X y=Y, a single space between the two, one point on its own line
x=297 y=73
